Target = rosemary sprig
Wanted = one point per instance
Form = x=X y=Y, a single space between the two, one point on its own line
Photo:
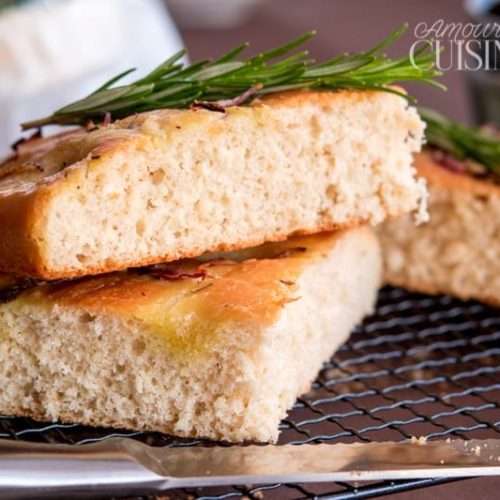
x=174 y=85
x=461 y=141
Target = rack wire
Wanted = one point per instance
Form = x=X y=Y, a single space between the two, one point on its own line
x=420 y=366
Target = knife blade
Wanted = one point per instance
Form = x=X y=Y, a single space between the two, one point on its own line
x=124 y=466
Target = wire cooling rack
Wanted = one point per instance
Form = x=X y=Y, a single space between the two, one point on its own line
x=420 y=366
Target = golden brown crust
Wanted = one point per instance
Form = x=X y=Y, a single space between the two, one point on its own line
x=305 y=96
x=112 y=265
x=440 y=176
x=265 y=279
x=8 y=280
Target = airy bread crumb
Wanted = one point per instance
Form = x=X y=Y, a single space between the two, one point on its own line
x=458 y=251
x=171 y=184
x=223 y=358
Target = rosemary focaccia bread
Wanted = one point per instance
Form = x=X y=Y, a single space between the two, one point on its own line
x=217 y=348
x=170 y=184
x=458 y=251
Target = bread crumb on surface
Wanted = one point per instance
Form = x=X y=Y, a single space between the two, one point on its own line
x=418 y=440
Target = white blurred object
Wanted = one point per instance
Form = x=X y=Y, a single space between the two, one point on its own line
x=212 y=14
x=53 y=52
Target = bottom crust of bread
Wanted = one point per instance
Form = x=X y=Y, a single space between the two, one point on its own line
x=221 y=356
x=458 y=251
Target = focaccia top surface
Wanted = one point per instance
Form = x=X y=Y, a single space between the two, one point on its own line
x=189 y=296
x=42 y=163
x=441 y=176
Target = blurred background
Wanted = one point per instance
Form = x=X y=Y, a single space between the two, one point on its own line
x=55 y=51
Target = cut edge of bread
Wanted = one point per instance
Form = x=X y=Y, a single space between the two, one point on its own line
x=172 y=184
x=458 y=251
x=67 y=364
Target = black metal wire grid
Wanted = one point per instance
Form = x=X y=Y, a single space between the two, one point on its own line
x=420 y=366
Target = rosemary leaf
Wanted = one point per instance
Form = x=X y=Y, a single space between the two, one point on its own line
x=175 y=85
x=462 y=141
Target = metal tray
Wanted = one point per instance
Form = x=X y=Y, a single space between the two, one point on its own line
x=420 y=366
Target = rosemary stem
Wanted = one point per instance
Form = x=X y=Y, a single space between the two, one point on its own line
x=174 y=85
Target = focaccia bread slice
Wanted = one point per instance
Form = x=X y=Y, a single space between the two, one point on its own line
x=217 y=348
x=458 y=251
x=172 y=184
